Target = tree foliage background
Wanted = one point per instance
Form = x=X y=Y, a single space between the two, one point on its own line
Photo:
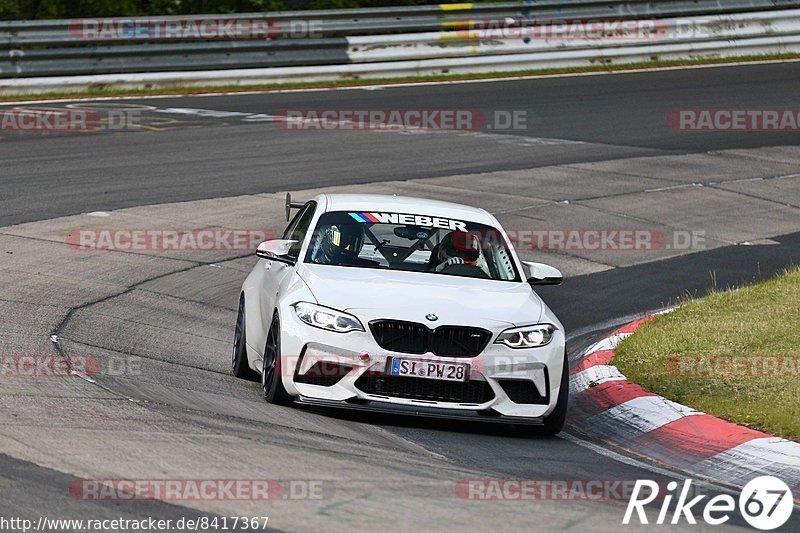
x=49 y=9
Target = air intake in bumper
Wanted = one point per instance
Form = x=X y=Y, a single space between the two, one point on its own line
x=470 y=392
x=523 y=391
x=324 y=374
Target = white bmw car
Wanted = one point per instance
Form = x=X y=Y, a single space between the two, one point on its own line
x=404 y=305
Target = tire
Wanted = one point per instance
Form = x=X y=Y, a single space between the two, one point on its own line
x=554 y=422
x=239 y=364
x=271 y=382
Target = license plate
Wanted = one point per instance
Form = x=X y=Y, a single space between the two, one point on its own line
x=429 y=369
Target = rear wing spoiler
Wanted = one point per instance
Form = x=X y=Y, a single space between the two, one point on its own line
x=291 y=205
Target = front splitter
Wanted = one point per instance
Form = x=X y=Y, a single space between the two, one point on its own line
x=374 y=406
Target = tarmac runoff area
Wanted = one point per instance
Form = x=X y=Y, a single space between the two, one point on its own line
x=168 y=409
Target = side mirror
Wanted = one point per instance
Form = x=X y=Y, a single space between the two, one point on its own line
x=276 y=250
x=541 y=274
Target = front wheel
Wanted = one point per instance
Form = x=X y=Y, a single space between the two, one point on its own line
x=272 y=371
x=240 y=367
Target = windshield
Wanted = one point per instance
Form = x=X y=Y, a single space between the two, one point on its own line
x=417 y=243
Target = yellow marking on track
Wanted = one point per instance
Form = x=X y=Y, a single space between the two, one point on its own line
x=158 y=125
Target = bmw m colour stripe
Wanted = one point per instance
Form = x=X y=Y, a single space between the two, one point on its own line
x=417 y=220
x=364 y=217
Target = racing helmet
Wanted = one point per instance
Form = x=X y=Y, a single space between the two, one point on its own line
x=338 y=240
x=460 y=244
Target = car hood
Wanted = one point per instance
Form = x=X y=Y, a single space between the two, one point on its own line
x=373 y=293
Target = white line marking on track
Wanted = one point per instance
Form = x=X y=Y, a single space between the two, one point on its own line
x=674 y=187
x=707 y=483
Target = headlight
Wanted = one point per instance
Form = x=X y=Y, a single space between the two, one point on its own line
x=327 y=318
x=527 y=336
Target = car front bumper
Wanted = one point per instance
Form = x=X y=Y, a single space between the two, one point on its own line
x=303 y=347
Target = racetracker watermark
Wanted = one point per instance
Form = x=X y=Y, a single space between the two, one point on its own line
x=316 y=366
x=558 y=29
x=119 y=524
x=734 y=366
x=545 y=489
x=48 y=120
x=191 y=29
x=739 y=120
x=169 y=240
x=605 y=239
x=57 y=366
x=66 y=120
x=574 y=29
x=197 y=489
x=401 y=119
x=380 y=119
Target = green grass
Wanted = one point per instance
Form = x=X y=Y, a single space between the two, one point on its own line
x=100 y=92
x=681 y=355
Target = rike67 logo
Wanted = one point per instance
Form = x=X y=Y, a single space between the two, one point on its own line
x=765 y=503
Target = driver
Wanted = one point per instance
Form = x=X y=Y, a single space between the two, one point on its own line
x=460 y=248
x=340 y=244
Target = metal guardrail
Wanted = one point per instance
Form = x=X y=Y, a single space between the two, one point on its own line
x=669 y=32
x=344 y=22
x=382 y=42
x=174 y=57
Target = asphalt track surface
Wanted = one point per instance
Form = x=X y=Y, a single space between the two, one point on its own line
x=621 y=115
x=613 y=117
